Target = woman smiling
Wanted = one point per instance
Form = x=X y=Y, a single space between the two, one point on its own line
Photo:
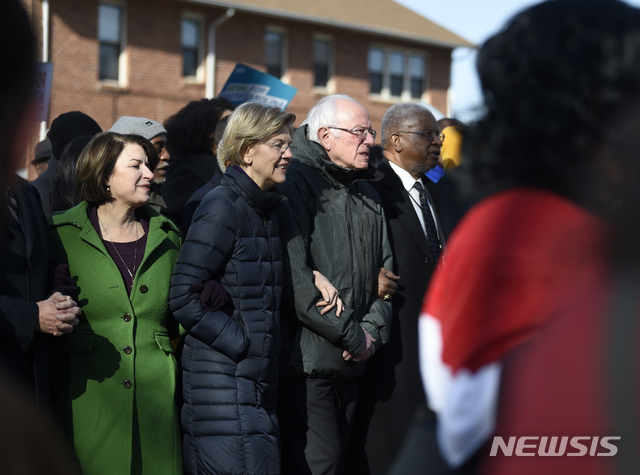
x=230 y=358
x=114 y=377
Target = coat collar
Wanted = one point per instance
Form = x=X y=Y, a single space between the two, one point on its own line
x=159 y=227
x=312 y=155
x=262 y=202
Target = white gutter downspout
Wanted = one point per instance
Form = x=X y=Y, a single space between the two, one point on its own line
x=45 y=53
x=211 y=53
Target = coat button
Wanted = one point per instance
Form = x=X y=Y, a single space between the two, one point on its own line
x=144 y=289
x=127 y=350
x=127 y=384
x=127 y=317
x=426 y=259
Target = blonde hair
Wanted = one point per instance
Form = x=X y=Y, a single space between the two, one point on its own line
x=249 y=123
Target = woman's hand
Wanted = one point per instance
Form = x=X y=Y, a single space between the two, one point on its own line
x=329 y=294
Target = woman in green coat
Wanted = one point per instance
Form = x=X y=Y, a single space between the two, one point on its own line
x=114 y=377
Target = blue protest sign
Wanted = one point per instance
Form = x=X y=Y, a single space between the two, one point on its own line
x=250 y=85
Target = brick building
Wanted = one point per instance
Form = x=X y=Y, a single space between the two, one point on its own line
x=150 y=57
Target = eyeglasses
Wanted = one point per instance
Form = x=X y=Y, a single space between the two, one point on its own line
x=279 y=146
x=360 y=133
x=428 y=134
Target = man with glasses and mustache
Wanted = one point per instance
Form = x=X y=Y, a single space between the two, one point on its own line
x=390 y=388
x=338 y=215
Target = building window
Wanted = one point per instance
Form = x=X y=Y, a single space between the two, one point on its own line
x=396 y=74
x=376 y=70
x=190 y=40
x=322 y=50
x=275 y=53
x=416 y=75
x=110 y=36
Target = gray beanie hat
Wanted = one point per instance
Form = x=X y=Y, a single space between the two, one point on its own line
x=148 y=128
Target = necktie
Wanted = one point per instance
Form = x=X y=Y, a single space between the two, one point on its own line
x=432 y=234
x=12 y=205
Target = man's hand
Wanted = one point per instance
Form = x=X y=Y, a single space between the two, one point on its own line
x=367 y=350
x=386 y=284
x=329 y=294
x=57 y=315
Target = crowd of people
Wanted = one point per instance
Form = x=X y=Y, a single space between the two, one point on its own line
x=229 y=294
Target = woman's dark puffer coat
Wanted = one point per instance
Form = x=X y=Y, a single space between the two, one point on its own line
x=230 y=355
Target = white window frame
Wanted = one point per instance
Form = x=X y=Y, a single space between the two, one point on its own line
x=123 y=63
x=330 y=88
x=200 y=70
x=284 y=53
x=385 y=93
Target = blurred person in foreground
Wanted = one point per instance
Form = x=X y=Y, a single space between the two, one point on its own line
x=226 y=292
x=114 y=380
x=557 y=81
x=574 y=388
x=29 y=444
x=191 y=133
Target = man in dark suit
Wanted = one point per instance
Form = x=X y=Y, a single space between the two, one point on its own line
x=391 y=389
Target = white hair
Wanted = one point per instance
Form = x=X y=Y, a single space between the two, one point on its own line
x=325 y=114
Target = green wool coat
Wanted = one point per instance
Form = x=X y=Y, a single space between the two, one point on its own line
x=114 y=376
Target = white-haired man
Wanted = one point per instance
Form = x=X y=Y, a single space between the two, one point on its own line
x=339 y=217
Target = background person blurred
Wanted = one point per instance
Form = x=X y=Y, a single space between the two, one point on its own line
x=64 y=189
x=64 y=129
x=114 y=381
x=230 y=356
x=42 y=156
x=29 y=443
x=191 y=134
x=194 y=200
x=155 y=133
x=543 y=152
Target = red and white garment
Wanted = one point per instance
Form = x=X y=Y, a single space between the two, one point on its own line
x=508 y=268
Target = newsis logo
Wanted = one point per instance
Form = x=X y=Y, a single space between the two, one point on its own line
x=549 y=447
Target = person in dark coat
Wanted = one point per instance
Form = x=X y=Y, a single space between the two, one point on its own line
x=64 y=129
x=194 y=200
x=193 y=163
x=230 y=356
x=390 y=388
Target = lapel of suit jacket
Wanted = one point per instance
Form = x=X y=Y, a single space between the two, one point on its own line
x=401 y=201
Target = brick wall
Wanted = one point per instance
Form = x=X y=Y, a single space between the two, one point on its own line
x=156 y=88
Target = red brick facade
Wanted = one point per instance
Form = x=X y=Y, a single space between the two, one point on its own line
x=155 y=87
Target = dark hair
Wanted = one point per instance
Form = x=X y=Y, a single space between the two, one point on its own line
x=553 y=80
x=98 y=159
x=191 y=130
x=18 y=56
x=64 y=190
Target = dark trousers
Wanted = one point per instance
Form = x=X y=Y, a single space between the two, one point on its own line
x=315 y=422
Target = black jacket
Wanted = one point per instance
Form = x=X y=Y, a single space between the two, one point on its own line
x=24 y=270
x=339 y=217
x=229 y=362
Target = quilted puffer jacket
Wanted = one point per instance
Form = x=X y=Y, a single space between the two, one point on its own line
x=230 y=355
